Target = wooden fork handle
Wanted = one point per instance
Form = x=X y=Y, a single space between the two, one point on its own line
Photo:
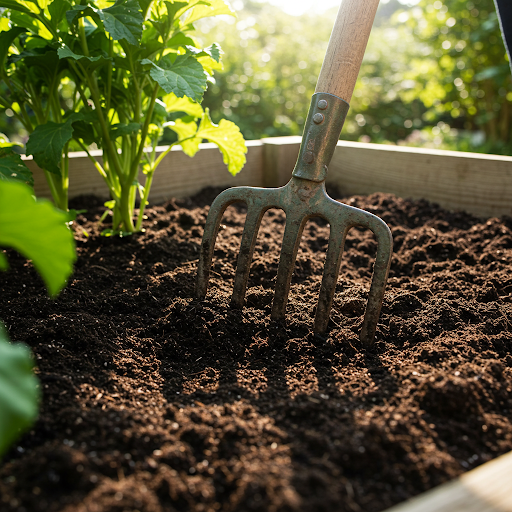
x=346 y=48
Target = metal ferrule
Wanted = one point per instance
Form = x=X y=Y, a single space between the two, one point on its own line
x=321 y=134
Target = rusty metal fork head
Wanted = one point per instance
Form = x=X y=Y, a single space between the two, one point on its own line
x=301 y=199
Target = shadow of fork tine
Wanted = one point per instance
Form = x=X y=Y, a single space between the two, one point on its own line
x=243 y=265
x=291 y=241
x=330 y=278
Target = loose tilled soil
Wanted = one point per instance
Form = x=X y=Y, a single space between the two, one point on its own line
x=155 y=401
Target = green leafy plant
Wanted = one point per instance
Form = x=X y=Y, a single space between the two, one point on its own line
x=114 y=75
x=38 y=231
x=19 y=393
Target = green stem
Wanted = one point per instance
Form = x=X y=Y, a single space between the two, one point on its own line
x=109 y=73
x=125 y=210
x=166 y=152
x=59 y=199
x=136 y=161
x=144 y=200
x=83 y=38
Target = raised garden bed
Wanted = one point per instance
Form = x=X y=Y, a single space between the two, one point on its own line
x=154 y=401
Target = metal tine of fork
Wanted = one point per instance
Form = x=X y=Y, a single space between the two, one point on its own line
x=291 y=241
x=211 y=229
x=330 y=276
x=252 y=224
x=379 y=278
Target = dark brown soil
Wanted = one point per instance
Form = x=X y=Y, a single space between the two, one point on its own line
x=155 y=401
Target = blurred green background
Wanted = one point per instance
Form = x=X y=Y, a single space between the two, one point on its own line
x=435 y=74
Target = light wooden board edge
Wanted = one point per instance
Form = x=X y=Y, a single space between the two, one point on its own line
x=487 y=488
x=479 y=184
x=178 y=175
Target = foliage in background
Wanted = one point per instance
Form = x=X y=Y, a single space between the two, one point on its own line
x=434 y=75
x=38 y=231
x=113 y=75
x=271 y=70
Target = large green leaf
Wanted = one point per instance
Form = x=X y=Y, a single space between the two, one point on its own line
x=184 y=104
x=6 y=40
x=214 y=8
x=180 y=40
x=17 y=6
x=12 y=167
x=19 y=391
x=47 y=142
x=38 y=231
x=228 y=138
x=58 y=10
x=184 y=77
x=77 y=11
x=186 y=128
x=123 y=20
x=90 y=62
x=27 y=20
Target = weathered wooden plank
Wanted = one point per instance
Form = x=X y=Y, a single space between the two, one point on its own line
x=177 y=176
x=487 y=488
x=279 y=157
x=479 y=184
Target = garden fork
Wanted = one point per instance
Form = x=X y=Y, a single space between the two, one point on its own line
x=304 y=196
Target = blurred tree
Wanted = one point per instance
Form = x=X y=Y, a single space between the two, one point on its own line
x=272 y=68
x=433 y=75
x=470 y=86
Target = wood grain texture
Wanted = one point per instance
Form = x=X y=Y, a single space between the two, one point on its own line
x=279 y=157
x=177 y=176
x=477 y=183
x=487 y=488
x=346 y=48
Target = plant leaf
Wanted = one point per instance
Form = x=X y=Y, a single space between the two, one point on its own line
x=19 y=392
x=38 y=231
x=47 y=142
x=184 y=77
x=27 y=20
x=118 y=130
x=214 y=51
x=184 y=104
x=228 y=138
x=4 y=264
x=185 y=128
x=214 y=8
x=12 y=167
x=58 y=10
x=180 y=40
x=66 y=53
x=17 y=6
x=123 y=20
x=78 y=11
x=6 y=40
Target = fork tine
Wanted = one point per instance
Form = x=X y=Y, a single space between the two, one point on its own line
x=291 y=241
x=330 y=277
x=211 y=229
x=380 y=276
x=243 y=265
